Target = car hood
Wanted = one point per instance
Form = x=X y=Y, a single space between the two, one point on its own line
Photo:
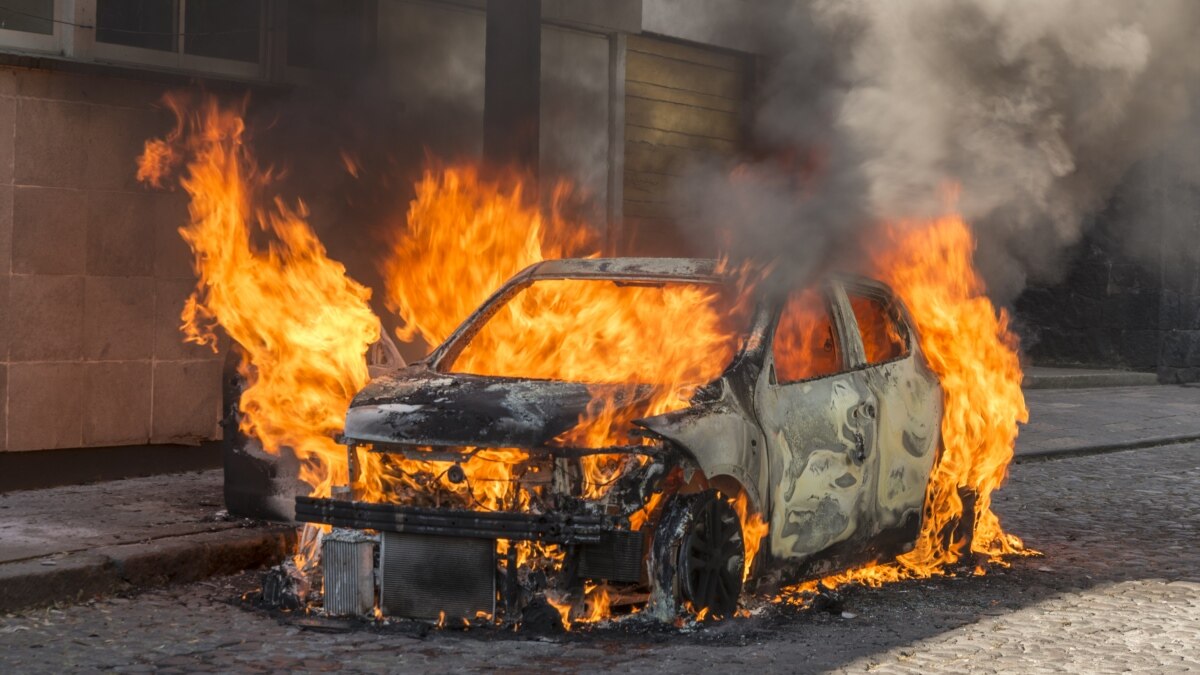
x=419 y=406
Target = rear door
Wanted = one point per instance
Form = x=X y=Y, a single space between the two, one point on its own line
x=817 y=415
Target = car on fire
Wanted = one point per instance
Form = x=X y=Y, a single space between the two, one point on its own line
x=806 y=449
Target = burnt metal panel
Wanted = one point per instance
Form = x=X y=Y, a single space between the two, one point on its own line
x=721 y=437
x=418 y=406
x=348 y=564
x=431 y=577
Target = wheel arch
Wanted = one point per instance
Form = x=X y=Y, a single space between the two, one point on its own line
x=728 y=449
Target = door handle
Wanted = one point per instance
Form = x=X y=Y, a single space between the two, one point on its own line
x=865 y=411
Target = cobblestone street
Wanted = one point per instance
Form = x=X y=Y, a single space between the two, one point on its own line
x=1118 y=589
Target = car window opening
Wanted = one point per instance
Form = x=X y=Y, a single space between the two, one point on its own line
x=806 y=343
x=602 y=331
x=882 y=336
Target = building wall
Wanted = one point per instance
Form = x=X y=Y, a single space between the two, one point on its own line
x=1131 y=294
x=1104 y=313
x=93 y=274
x=683 y=104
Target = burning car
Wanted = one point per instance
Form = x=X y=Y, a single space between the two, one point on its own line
x=633 y=431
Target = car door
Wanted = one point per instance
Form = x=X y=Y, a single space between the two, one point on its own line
x=909 y=410
x=817 y=416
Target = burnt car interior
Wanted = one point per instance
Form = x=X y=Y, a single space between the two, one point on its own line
x=794 y=437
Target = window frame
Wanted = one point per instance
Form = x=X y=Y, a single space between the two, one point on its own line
x=23 y=41
x=888 y=299
x=74 y=38
x=833 y=305
x=179 y=59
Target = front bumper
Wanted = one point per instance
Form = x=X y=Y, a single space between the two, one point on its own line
x=551 y=528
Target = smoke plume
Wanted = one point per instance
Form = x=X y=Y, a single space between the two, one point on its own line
x=868 y=110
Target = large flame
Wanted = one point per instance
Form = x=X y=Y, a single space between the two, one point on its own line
x=465 y=236
x=969 y=345
x=303 y=325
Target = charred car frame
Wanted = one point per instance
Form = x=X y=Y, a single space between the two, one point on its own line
x=830 y=448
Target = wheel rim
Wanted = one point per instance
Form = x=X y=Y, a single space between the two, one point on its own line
x=710 y=560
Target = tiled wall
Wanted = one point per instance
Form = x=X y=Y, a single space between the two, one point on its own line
x=92 y=273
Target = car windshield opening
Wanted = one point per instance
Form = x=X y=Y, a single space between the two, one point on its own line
x=604 y=331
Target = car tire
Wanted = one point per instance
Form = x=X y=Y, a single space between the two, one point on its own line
x=697 y=557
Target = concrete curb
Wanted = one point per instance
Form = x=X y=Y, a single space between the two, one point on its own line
x=1088 y=380
x=79 y=576
x=1085 y=450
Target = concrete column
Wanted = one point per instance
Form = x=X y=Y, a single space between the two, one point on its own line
x=616 y=143
x=512 y=84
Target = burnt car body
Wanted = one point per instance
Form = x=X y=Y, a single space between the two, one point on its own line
x=832 y=451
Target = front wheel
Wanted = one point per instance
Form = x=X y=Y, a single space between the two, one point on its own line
x=697 y=557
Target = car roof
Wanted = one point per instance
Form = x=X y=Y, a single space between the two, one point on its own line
x=704 y=270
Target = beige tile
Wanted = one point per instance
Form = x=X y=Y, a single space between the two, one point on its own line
x=120 y=233
x=45 y=406
x=88 y=88
x=187 y=401
x=51 y=143
x=115 y=139
x=5 y=318
x=6 y=192
x=6 y=230
x=118 y=318
x=3 y=406
x=116 y=403
x=46 y=318
x=171 y=294
x=49 y=231
x=8 y=116
x=172 y=256
x=57 y=85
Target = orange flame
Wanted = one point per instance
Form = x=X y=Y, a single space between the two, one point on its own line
x=969 y=345
x=595 y=606
x=754 y=528
x=304 y=325
x=615 y=338
x=466 y=236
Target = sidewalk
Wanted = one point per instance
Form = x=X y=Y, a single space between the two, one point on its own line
x=70 y=543
x=1084 y=421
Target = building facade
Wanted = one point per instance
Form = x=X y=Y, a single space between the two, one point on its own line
x=93 y=273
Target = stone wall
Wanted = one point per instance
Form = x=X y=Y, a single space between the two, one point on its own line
x=1179 y=311
x=1131 y=295
x=93 y=274
x=1105 y=313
